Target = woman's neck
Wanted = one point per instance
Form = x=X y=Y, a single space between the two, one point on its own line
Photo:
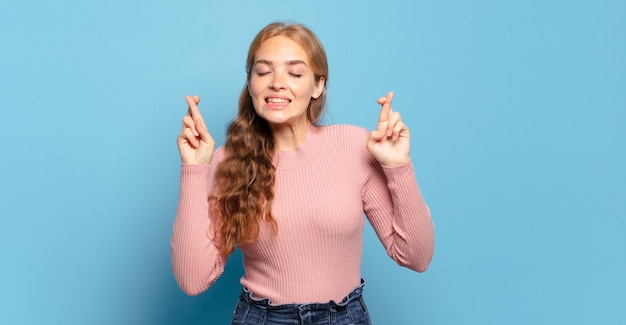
x=289 y=137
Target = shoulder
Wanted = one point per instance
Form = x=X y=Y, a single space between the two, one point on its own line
x=347 y=139
x=345 y=131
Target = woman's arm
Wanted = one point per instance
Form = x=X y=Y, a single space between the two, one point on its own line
x=397 y=211
x=196 y=261
x=392 y=199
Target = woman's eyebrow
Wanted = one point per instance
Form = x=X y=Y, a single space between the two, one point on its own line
x=263 y=62
x=289 y=62
x=296 y=62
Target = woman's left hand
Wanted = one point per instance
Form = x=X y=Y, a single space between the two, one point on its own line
x=389 y=143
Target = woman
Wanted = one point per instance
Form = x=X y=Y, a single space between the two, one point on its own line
x=291 y=194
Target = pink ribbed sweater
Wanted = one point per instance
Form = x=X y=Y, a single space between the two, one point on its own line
x=321 y=192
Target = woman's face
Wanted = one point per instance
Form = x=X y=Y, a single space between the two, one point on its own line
x=282 y=83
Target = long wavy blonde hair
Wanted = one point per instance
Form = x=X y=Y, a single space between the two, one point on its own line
x=244 y=186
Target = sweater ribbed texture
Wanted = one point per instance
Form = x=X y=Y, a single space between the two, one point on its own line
x=322 y=191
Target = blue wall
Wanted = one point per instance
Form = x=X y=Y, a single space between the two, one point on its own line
x=517 y=111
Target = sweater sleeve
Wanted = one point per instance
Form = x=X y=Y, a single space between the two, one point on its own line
x=196 y=262
x=395 y=208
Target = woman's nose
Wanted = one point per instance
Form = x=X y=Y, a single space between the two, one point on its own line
x=277 y=82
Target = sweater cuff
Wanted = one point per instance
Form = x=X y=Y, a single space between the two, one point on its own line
x=399 y=170
x=193 y=178
x=194 y=169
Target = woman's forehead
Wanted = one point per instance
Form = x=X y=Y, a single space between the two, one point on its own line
x=281 y=49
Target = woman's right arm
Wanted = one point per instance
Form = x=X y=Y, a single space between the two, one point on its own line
x=196 y=262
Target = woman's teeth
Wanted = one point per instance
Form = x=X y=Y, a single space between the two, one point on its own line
x=277 y=101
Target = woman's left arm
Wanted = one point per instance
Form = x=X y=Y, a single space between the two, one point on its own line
x=392 y=199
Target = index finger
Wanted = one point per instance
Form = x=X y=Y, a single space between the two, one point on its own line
x=193 y=110
x=386 y=109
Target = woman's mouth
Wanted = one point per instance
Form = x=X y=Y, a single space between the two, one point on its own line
x=276 y=100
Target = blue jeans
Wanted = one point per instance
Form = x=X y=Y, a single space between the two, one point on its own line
x=350 y=311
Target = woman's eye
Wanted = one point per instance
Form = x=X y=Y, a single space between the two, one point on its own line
x=262 y=73
x=295 y=75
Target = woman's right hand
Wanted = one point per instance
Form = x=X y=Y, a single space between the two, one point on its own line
x=195 y=143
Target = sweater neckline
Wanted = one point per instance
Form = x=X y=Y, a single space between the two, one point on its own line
x=306 y=151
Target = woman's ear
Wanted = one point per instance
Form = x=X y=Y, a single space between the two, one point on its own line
x=319 y=88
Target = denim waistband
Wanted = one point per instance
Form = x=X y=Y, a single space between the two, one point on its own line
x=267 y=303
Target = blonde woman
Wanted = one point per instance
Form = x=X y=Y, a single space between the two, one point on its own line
x=291 y=194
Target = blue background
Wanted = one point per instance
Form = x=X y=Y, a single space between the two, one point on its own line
x=517 y=112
